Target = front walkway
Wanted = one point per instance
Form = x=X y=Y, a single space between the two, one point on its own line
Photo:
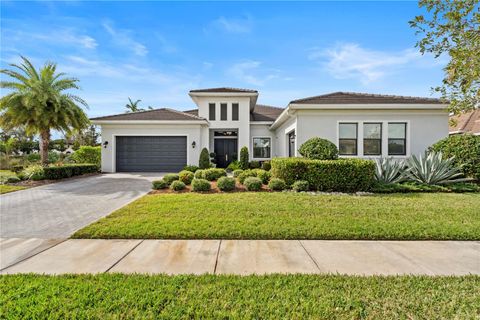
x=240 y=256
x=57 y=210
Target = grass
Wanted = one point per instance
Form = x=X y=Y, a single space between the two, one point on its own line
x=7 y=188
x=5 y=174
x=115 y=296
x=293 y=216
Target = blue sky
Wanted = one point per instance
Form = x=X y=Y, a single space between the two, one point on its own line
x=158 y=51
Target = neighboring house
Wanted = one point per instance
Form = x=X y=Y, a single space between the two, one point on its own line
x=468 y=122
x=361 y=125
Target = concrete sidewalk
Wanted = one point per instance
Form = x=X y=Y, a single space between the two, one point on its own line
x=240 y=256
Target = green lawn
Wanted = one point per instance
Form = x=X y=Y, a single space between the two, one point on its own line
x=7 y=188
x=233 y=297
x=280 y=215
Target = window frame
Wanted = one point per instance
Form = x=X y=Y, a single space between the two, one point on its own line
x=372 y=139
x=235 y=111
x=223 y=111
x=212 y=115
x=405 y=124
x=253 y=147
x=348 y=139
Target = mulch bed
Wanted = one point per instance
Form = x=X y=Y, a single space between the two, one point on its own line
x=32 y=183
x=238 y=188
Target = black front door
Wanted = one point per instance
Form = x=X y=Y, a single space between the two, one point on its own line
x=225 y=151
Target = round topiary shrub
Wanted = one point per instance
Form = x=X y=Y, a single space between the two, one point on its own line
x=263 y=175
x=300 y=185
x=237 y=172
x=226 y=184
x=214 y=174
x=319 y=149
x=200 y=185
x=200 y=174
x=246 y=174
x=276 y=184
x=186 y=176
x=177 y=185
x=253 y=184
x=266 y=165
x=159 y=184
x=169 y=178
x=190 y=168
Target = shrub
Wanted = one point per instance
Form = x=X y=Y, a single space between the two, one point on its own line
x=346 y=175
x=276 y=184
x=214 y=173
x=200 y=174
x=253 y=184
x=237 y=172
x=88 y=154
x=266 y=165
x=244 y=158
x=254 y=164
x=13 y=179
x=186 y=176
x=169 y=178
x=70 y=170
x=199 y=185
x=34 y=172
x=319 y=149
x=389 y=170
x=300 y=185
x=177 y=185
x=33 y=157
x=466 y=150
x=53 y=157
x=190 y=168
x=159 y=184
x=226 y=183
x=204 y=161
x=246 y=174
x=262 y=175
x=17 y=169
x=234 y=165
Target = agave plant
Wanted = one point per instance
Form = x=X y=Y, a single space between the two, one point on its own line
x=389 y=170
x=433 y=169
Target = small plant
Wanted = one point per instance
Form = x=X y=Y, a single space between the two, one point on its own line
x=262 y=175
x=319 y=149
x=276 y=184
x=246 y=174
x=244 y=158
x=214 y=173
x=190 y=168
x=204 y=161
x=169 y=178
x=200 y=174
x=254 y=164
x=266 y=165
x=226 y=184
x=300 y=186
x=433 y=169
x=34 y=172
x=177 y=185
x=237 y=172
x=389 y=170
x=159 y=184
x=200 y=185
x=253 y=184
x=234 y=165
x=186 y=176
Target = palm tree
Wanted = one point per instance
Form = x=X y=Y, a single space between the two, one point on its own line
x=41 y=101
x=133 y=106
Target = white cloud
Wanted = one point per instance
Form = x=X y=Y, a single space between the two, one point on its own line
x=250 y=72
x=351 y=61
x=123 y=38
x=62 y=36
x=234 y=25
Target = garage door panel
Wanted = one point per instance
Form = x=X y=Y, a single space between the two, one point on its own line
x=150 y=153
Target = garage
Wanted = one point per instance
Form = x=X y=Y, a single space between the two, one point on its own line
x=150 y=153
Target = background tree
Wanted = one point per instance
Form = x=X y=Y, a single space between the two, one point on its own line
x=85 y=137
x=453 y=27
x=40 y=101
x=132 y=106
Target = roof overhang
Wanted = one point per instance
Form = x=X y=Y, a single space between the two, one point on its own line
x=174 y=122
x=252 y=95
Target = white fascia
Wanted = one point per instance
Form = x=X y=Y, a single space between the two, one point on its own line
x=204 y=122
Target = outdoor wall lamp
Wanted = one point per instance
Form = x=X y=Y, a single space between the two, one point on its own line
x=105 y=144
x=194 y=144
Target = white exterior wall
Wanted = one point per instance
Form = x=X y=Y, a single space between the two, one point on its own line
x=261 y=131
x=193 y=132
x=424 y=127
x=281 y=137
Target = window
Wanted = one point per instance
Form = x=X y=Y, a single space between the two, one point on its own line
x=261 y=147
x=211 y=111
x=347 y=140
x=372 y=139
x=397 y=138
x=223 y=111
x=235 y=111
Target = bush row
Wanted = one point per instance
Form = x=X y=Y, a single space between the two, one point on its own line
x=67 y=171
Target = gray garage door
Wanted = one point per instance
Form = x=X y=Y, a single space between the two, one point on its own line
x=150 y=154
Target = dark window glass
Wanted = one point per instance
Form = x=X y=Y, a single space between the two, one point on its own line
x=225 y=133
x=211 y=111
x=397 y=138
x=372 y=139
x=235 y=111
x=347 y=142
x=261 y=147
x=223 y=111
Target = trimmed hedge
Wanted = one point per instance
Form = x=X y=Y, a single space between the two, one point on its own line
x=253 y=184
x=159 y=184
x=276 y=184
x=319 y=149
x=87 y=154
x=200 y=185
x=67 y=171
x=177 y=185
x=345 y=175
x=170 y=177
x=226 y=184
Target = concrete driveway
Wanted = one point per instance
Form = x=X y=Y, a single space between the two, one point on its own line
x=57 y=210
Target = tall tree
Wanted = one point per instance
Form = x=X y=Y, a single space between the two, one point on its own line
x=452 y=27
x=41 y=101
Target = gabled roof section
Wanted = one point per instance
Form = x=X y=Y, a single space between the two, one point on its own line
x=225 y=90
x=468 y=122
x=162 y=114
x=364 y=98
x=265 y=113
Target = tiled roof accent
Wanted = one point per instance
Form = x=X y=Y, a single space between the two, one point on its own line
x=468 y=122
x=363 y=98
x=165 y=114
x=225 y=90
x=265 y=113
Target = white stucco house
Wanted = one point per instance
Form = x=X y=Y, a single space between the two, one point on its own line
x=226 y=119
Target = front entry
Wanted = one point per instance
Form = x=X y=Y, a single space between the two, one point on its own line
x=225 y=151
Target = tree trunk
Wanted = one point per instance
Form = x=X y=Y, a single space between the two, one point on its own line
x=44 y=142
